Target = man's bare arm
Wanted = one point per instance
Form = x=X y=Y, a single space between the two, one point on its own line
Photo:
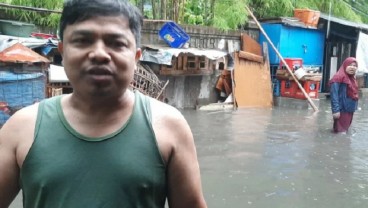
x=9 y=170
x=184 y=181
x=16 y=138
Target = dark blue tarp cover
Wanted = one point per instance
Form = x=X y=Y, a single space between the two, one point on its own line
x=20 y=90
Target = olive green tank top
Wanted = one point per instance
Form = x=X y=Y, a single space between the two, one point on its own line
x=65 y=169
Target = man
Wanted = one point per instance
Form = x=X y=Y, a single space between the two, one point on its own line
x=103 y=145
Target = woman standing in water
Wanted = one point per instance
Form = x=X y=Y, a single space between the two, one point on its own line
x=344 y=95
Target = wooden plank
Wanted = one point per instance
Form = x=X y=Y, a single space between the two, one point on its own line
x=250 y=56
x=250 y=45
x=252 y=83
x=185 y=62
x=180 y=62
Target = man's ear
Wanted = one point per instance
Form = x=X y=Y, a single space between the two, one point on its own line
x=61 y=48
x=138 y=54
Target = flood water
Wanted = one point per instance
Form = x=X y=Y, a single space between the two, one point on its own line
x=280 y=158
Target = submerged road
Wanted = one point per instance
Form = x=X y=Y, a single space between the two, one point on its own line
x=280 y=158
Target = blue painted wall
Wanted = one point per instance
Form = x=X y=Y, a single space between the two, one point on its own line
x=294 y=42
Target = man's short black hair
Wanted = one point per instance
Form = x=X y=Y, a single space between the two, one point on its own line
x=80 y=10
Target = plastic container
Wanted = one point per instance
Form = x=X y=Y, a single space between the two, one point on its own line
x=173 y=35
x=288 y=88
x=300 y=73
x=293 y=63
x=307 y=16
x=310 y=87
x=15 y=28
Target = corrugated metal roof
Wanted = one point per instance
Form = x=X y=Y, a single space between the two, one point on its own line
x=343 y=21
x=295 y=22
x=19 y=53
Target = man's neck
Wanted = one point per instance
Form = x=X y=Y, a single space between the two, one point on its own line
x=96 y=119
x=100 y=104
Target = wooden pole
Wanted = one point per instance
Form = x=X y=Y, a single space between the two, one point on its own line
x=28 y=8
x=283 y=61
x=162 y=90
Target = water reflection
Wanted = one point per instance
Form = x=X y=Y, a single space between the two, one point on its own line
x=281 y=158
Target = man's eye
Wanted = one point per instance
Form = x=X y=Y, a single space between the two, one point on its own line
x=116 y=44
x=81 y=40
x=120 y=44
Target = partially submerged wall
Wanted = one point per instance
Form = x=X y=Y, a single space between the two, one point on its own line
x=190 y=91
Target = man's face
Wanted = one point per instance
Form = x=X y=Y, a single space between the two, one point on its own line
x=99 y=55
x=351 y=69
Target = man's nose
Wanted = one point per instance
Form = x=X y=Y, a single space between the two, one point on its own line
x=99 y=53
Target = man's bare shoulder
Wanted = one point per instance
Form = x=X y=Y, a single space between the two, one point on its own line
x=165 y=112
x=169 y=123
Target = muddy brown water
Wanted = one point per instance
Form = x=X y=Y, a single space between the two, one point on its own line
x=280 y=157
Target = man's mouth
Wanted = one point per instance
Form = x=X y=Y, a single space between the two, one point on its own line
x=100 y=74
x=99 y=71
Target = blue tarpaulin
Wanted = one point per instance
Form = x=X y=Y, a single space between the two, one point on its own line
x=6 y=76
x=20 y=90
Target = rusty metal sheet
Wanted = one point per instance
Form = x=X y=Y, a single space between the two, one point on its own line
x=19 y=53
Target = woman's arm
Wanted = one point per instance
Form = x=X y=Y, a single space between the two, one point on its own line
x=334 y=96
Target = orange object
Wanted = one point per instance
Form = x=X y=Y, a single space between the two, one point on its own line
x=19 y=53
x=308 y=16
x=310 y=87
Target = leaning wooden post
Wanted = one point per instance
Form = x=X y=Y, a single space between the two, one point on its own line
x=283 y=61
x=162 y=90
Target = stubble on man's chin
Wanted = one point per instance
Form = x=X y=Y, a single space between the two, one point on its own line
x=107 y=93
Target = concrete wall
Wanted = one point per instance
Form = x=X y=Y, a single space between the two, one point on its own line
x=191 y=91
x=200 y=36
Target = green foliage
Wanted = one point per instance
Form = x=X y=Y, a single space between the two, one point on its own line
x=344 y=10
x=229 y=14
x=38 y=18
x=339 y=8
x=271 y=8
x=223 y=14
x=195 y=12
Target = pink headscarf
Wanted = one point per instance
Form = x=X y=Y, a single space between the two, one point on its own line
x=342 y=77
